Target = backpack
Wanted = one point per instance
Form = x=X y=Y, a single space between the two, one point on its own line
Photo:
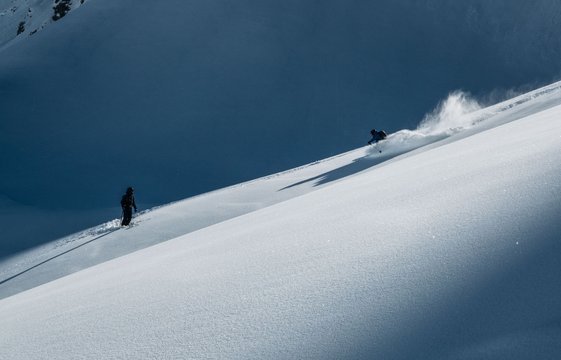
x=126 y=200
x=382 y=134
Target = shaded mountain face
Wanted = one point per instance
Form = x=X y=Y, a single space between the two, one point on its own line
x=21 y=18
x=195 y=95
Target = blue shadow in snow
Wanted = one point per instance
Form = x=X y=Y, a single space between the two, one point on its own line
x=356 y=166
x=56 y=256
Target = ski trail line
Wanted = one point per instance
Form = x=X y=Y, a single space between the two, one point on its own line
x=56 y=256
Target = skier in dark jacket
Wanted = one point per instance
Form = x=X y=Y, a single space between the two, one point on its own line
x=127 y=204
x=377 y=136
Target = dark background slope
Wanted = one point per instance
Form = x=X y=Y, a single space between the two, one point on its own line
x=182 y=97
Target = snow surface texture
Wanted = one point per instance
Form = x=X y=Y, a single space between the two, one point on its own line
x=454 y=116
x=255 y=86
x=450 y=251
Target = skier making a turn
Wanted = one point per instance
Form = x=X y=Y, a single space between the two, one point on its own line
x=377 y=136
x=127 y=204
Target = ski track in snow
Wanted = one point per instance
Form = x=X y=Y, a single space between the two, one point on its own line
x=399 y=143
x=446 y=252
x=445 y=246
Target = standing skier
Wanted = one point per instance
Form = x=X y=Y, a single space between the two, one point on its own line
x=377 y=136
x=127 y=204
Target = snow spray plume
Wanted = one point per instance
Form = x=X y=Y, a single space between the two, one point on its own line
x=451 y=115
x=458 y=112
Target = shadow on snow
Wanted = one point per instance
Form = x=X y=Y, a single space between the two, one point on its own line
x=56 y=256
x=356 y=166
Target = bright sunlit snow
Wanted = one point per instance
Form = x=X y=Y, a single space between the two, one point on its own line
x=444 y=246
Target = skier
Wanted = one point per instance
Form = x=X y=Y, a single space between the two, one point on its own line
x=377 y=136
x=127 y=204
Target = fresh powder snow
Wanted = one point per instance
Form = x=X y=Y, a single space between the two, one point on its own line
x=445 y=245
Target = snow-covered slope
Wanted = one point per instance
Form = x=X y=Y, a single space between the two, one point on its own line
x=450 y=251
x=227 y=91
x=21 y=18
x=449 y=123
